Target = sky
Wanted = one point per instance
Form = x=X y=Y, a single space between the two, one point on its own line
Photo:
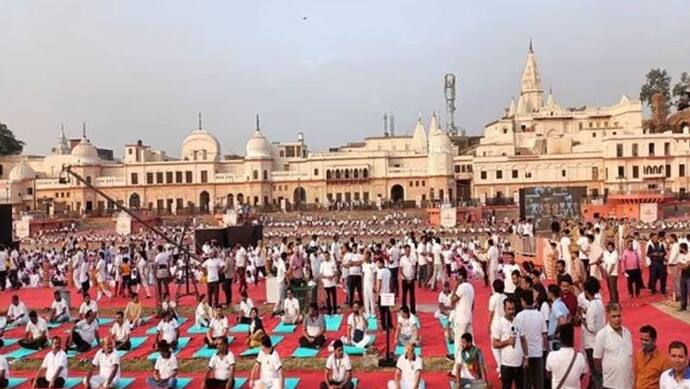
x=135 y=69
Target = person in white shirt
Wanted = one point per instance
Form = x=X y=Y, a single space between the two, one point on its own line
x=438 y=274
x=394 y=264
x=164 y=371
x=59 y=311
x=168 y=306
x=408 y=370
x=368 y=281
x=493 y=255
x=291 y=309
x=564 y=251
x=17 y=314
x=611 y=267
x=84 y=334
x=168 y=331
x=217 y=329
x=463 y=299
x=53 y=370
x=221 y=368
x=36 y=333
x=4 y=372
x=673 y=266
x=408 y=269
x=583 y=249
x=445 y=305
x=504 y=339
x=352 y=261
x=203 y=312
x=314 y=329
x=108 y=363
x=613 y=351
x=531 y=328
x=566 y=366
x=270 y=367
x=407 y=329
x=356 y=328
x=281 y=271
x=120 y=331
x=338 y=372
x=678 y=376
x=88 y=305
x=594 y=321
x=495 y=314
x=246 y=305
x=328 y=271
x=212 y=267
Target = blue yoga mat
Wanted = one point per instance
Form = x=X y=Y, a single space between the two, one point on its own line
x=291 y=383
x=239 y=381
x=136 y=342
x=354 y=381
x=283 y=328
x=105 y=320
x=239 y=328
x=9 y=342
x=275 y=339
x=444 y=321
x=183 y=382
x=333 y=322
x=372 y=325
x=124 y=382
x=20 y=353
x=303 y=352
x=15 y=382
x=72 y=382
x=400 y=350
x=182 y=342
x=450 y=347
x=154 y=330
x=197 y=330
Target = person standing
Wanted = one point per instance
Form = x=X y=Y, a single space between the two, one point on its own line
x=383 y=284
x=368 y=283
x=611 y=267
x=566 y=366
x=504 y=338
x=674 y=251
x=531 y=328
x=281 y=280
x=633 y=270
x=613 y=351
x=656 y=251
x=463 y=298
x=678 y=376
x=408 y=270
x=328 y=271
x=353 y=262
x=649 y=362
x=393 y=265
x=212 y=267
x=594 y=321
x=684 y=267
x=338 y=374
x=241 y=265
x=226 y=277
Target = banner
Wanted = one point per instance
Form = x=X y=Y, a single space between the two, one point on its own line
x=649 y=212
x=123 y=225
x=449 y=217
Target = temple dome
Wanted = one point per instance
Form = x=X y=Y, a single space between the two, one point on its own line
x=84 y=151
x=258 y=147
x=21 y=172
x=200 y=145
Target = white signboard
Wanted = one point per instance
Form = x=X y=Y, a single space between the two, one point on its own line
x=22 y=228
x=283 y=205
x=449 y=217
x=648 y=212
x=230 y=218
x=387 y=299
x=124 y=224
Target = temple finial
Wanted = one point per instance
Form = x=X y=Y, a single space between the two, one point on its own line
x=83 y=130
x=257 y=122
x=530 y=45
x=200 y=127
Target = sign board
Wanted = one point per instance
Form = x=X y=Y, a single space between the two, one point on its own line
x=387 y=299
x=449 y=217
x=22 y=227
x=543 y=204
x=230 y=218
x=124 y=224
x=649 y=212
x=283 y=205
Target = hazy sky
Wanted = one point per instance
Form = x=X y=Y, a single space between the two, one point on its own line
x=136 y=69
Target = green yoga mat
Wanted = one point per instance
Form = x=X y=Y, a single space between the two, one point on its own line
x=207 y=352
x=283 y=328
x=20 y=353
x=239 y=328
x=182 y=382
x=12 y=382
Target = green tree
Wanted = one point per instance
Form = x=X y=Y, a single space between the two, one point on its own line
x=681 y=91
x=658 y=81
x=8 y=143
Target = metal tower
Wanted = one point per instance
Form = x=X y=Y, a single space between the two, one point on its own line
x=449 y=90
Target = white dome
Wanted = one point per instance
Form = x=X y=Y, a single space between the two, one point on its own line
x=258 y=147
x=22 y=172
x=84 y=151
x=200 y=145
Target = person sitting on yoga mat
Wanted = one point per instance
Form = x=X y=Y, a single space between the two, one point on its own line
x=168 y=331
x=17 y=313
x=169 y=306
x=36 y=334
x=164 y=371
x=356 y=328
x=217 y=329
x=221 y=368
x=88 y=305
x=338 y=373
x=133 y=312
x=256 y=329
x=291 y=310
x=268 y=362
x=203 y=313
x=408 y=370
x=313 y=329
x=120 y=331
x=108 y=363
x=83 y=334
x=59 y=312
x=53 y=370
x=4 y=372
x=246 y=305
x=407 y=331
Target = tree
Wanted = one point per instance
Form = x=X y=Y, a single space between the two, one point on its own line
x=8 y=143
x=658 y=81
x=681 y=91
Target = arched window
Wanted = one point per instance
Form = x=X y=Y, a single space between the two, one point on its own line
x=356 y=173
x=337 y=174
x=255 y=175
x=328 y=174
x=365 y=173
x=347 y=173
x=265 y=175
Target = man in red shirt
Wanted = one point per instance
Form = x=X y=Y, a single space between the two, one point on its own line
x=567 y=295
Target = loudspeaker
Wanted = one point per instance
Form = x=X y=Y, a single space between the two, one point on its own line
x=6 y=224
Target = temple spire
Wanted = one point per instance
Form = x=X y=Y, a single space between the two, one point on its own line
x=530 y=45
x=200 y=126
x=83 y=130
x=258 y=128
x=530 y=84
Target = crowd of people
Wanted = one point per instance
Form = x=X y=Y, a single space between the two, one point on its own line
x=535 y=312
